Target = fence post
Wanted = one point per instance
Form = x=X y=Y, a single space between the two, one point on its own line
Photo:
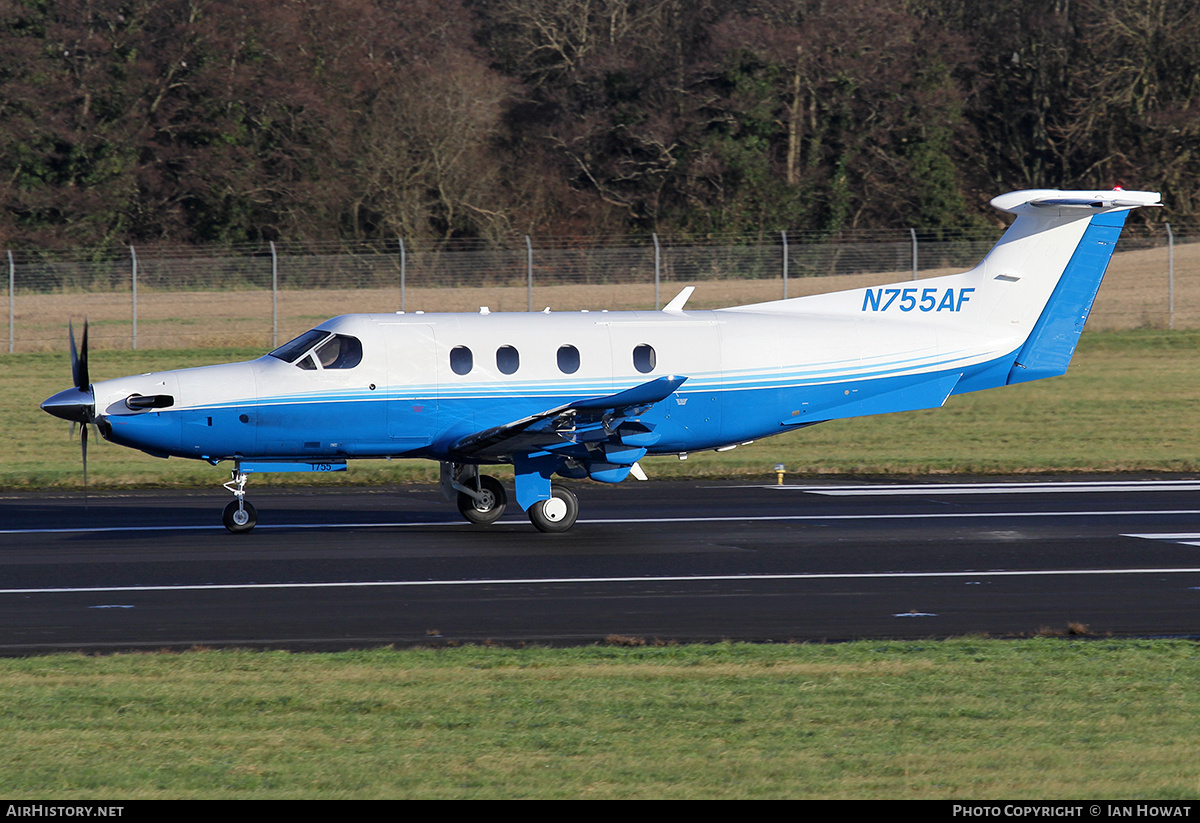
x=12 y=281
x=529 y=269
x=913 y=232
x=274 y=297
x=783 y=234
x=657 y=259
x=403 y=272
x=1170 y=278
x=133 y=257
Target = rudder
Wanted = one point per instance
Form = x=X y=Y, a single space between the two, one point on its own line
x=1051 y=343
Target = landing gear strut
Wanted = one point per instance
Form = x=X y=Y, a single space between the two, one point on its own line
x=239 y=516
x=486 y=504
x=481 y=499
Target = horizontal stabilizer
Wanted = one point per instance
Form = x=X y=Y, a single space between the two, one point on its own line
x=1087 y=203
x=1040 y=201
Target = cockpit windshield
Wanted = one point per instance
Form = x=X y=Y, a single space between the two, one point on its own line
x=332 y=351
x=290 y=352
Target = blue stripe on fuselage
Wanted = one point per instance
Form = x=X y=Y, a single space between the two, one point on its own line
x=686 y=420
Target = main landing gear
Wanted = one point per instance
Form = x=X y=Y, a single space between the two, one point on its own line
x=481 y=499
x=556 y=514
x=485 y=503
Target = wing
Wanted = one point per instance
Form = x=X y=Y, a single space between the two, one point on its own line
x=593 y=420
x=596 y=437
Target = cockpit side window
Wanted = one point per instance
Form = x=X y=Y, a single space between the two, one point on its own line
x=340 y=352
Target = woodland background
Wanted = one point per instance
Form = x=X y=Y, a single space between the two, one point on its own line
x=233 y=121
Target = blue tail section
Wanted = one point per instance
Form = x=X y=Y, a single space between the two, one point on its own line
x=1050 y=345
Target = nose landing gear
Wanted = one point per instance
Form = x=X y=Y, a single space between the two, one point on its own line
x=239 y=516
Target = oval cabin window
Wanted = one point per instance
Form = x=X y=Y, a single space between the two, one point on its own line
x=461 y=360
x=644 y=359
x=507 y=360
x=568 y=359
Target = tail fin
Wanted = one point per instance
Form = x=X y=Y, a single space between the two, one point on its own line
x=1052 y=259
x=1015 y=317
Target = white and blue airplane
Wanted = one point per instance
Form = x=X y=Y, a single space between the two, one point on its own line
x=589 y=394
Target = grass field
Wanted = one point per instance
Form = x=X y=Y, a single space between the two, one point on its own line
x=965 y=719
x=1045 y=718
x=1130 y=403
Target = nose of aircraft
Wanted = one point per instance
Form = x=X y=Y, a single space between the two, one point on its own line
x=72 y=404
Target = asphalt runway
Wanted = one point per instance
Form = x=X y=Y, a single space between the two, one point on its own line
x=652 y=561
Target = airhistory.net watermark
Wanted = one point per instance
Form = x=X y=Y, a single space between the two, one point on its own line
x=49 y=810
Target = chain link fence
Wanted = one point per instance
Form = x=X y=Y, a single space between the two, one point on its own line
x=174 y=297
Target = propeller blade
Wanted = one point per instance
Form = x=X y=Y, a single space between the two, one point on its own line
x=74 y=354
x=83 y=440
x=79 y=364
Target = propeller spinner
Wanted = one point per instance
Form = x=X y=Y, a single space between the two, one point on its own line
x=77 y=404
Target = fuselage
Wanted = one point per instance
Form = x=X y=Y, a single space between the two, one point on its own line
x=425 y=380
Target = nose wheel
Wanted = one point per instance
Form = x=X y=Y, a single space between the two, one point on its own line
x=240 y=516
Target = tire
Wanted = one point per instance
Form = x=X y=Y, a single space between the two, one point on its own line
x=557 y=514
x=488 y=510
x=240 y=522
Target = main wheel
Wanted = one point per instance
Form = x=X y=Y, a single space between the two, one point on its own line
x=489 y=507
x=556 y=514
x=240 y=522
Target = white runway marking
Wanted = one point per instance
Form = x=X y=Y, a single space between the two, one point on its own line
x=217 y=527
x=833 y=491
x=1182 y=538
x=773 y=518
x=556 y=581
x=1039 y=487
